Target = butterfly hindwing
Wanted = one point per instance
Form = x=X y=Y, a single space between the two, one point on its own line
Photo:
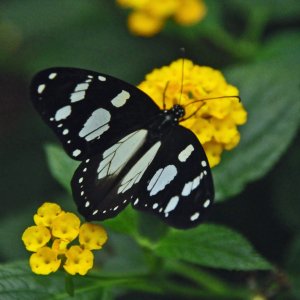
x=88 y=111
x=177 y=186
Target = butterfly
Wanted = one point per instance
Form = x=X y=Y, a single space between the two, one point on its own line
x=131 y=151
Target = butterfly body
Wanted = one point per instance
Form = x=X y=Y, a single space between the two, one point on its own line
x=131 y=151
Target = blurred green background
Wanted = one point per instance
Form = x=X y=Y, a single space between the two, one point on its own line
x=243 y=38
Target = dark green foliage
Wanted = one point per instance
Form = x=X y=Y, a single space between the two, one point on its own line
x=256 y=44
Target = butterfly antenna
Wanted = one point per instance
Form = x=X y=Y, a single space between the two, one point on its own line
x=182 y=73
x=205 y=99
x=164 y=95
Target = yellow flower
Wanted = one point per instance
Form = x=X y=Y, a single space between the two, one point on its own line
x=66 y=226
x=46 y=213
x=197 y=88
x=78 y=260
x=44 y=261
x=190 y=12
x=144 y=24
x=60 y=246
x=52 y=236
x=147 y=17
x=92 y=236
x=35 y=237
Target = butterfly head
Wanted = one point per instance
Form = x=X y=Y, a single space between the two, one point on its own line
x=176 y=113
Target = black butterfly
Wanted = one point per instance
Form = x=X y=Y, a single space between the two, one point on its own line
x=131 y=151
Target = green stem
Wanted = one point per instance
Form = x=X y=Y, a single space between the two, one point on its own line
x=100 y=283
x=211 y=283
x=69 y=285
x=240 y=49
x=256 y=24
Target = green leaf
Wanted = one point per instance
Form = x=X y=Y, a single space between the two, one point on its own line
x=293 y=266
x=125 y=222
x=211 y=246
x=285 y=193
x=32 y=16
x=275 y=10
x=122 y=257
x=276 y=48
x=270 y=93
x=61 y=166
x=18 y=282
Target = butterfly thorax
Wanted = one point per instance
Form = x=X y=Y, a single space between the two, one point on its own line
x=166 y=120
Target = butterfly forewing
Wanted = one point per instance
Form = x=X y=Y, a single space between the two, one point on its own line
x=88 y=111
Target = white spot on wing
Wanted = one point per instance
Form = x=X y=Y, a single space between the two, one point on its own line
x=87 y=204
x=95 y=125
x=101 y=78
x=65 y=131
x=95 y=211
x=195 y=216
x=80 y=179
x=203 y=163
x=137 y=171
x=161 y=178
x=206 y=203
x=120 y=99
x=187 y=188
x=190 y=186
x=185 y=153
x=76 y=152
x=196 y=182
x=154 y=179
x=155 y=205
x=77 y=96
x=136 y=201
x=81 y=87
x=52 y=76
x=115 y=157
x=41 y=88
x=63 y=113
x=171 y=204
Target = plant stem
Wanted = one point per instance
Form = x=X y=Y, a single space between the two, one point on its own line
x=211 y=283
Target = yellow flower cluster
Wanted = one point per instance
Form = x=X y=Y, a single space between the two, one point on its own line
x=214 y=121
x=51 y=235
x=148 y=16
